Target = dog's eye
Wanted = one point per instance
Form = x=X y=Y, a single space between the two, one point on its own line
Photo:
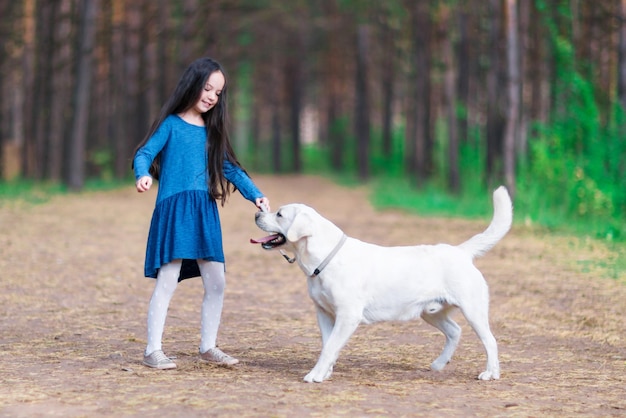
x=279 y=215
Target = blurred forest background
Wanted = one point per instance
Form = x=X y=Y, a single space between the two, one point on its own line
x=455 y=96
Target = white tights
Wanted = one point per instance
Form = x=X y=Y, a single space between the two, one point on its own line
x=214 y=281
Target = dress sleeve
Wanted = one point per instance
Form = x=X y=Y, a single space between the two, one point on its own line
x=242 y=182
x=146 y=154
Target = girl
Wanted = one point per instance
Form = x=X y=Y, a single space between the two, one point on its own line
x=187 y=149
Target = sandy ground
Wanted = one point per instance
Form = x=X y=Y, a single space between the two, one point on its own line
x=73 y=301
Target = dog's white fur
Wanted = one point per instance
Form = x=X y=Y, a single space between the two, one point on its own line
x=366 y=283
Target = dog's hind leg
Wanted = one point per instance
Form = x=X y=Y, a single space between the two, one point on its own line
x=478 y=318
x=344 y=328
x=452 y=332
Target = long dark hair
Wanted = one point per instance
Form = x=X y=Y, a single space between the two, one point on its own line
x=185 y=96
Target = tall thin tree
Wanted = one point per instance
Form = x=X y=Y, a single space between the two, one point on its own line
x=333 y=79
x=420 y=112
x=119 y=103
x=295 y=57
x=82 y=91
x=387 y=78
x=449 y=89
x=494 y=123
x=362 y=112
x=621 y=62
x=463 y=69
x=513 y=94
x=42 y=89
x=25 y=112
x=61 y=89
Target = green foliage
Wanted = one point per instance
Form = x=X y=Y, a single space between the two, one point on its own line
x=339 y=129
x=316 y=160
x=575 y=170
x=392 y=165
x=394 y=189
x=391 y=188
x=573 y=187
x=102 y=162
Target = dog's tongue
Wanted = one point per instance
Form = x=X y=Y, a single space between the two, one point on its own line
x=262 y=240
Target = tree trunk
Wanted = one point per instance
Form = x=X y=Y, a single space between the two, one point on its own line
x=335 y=140
x=168 y=80
x=132 y=81
x=362 y=111
x=621 y=64
x=121 y=139
x=255 y=135
x=275 y=101
x=78 y=140
x=513 y=92
x=28 y=79
x=539 y=66
x=494 y=89
x=333 y=78
x=388 y=75
x=61 y=88
x=188 y=30
x=463 y=73
x=12 y=143
x=525 y=80
x=5 y=33
x=151 y=70
x=294 y=76
x=449 y=88
x=42 y=91
x=422 y=142
x=276 y=138
x=11 y=90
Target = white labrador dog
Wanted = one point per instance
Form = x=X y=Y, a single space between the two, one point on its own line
x=353 y=282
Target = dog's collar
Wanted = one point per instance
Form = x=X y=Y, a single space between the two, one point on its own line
x=330 y=256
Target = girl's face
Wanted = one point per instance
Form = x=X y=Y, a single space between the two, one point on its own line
x=210 y=94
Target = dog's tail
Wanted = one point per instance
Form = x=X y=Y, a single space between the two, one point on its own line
x=500 y=224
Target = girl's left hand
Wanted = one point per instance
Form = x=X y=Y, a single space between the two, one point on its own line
x=143 y=184
x=263 y=203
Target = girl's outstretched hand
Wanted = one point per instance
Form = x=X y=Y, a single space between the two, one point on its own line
x=143 y=184
x=263 y=203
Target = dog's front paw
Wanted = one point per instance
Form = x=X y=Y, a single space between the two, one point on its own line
x=489 y=375
x=316 y=376
x=310 y=378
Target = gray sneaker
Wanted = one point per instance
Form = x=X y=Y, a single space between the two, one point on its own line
x=215 y=355
x=158 y=360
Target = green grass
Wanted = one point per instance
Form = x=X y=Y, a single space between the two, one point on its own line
x=30 y=191
x=35 y=192
x=430 y=200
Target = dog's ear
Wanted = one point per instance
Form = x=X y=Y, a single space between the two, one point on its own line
x=300 y=227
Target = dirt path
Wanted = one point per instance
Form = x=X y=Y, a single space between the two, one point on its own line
x=73 y=302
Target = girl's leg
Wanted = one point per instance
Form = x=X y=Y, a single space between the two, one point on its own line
x=214 y=282
x=166 y=282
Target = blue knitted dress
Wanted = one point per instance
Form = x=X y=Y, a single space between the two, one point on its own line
x=185 y=222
